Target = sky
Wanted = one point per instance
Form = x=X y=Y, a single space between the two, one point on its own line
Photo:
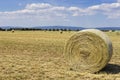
x=80 y=13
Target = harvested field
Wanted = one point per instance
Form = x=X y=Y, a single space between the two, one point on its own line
x=38 y=55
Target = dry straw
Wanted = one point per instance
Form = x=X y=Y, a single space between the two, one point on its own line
x=117 y=32
x=88 y=50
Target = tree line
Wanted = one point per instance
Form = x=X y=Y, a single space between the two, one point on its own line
x=36 y=29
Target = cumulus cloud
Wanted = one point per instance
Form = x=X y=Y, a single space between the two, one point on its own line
x=37 y=11
x=111 y=10
x=45 y=11
x=118 y=0
x=38 y=6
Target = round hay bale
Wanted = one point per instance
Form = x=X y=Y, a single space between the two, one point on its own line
x=61 y=31
x=117 y=32
x=13 y=30
x=88 y=50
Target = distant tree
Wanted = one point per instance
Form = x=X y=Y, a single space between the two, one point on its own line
x=1 y=29
x=50 y=30
x=69 y=29
x=53 y=29
x=65 y=29
x=57 y=29
x=77 y=30
x=61 y=29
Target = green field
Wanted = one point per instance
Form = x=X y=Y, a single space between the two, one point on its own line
x=38 y=55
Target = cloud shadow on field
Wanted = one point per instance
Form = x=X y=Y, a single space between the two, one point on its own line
x=111 y=69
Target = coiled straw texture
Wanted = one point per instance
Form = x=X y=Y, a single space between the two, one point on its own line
x=88 y=50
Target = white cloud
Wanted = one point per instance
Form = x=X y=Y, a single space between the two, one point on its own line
x=38 y=6
x=37 y=10
x=111 y=10
x=118 y=0
x=105 y=6
x=45 y=11
x=74 y=9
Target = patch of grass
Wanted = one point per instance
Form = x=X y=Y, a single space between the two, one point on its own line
x=28 y=55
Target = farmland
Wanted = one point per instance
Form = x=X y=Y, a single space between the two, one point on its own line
x=38 y=55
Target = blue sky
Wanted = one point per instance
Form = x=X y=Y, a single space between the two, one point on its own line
x=81 y=13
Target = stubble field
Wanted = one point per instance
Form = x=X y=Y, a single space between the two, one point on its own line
x=38 y=55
